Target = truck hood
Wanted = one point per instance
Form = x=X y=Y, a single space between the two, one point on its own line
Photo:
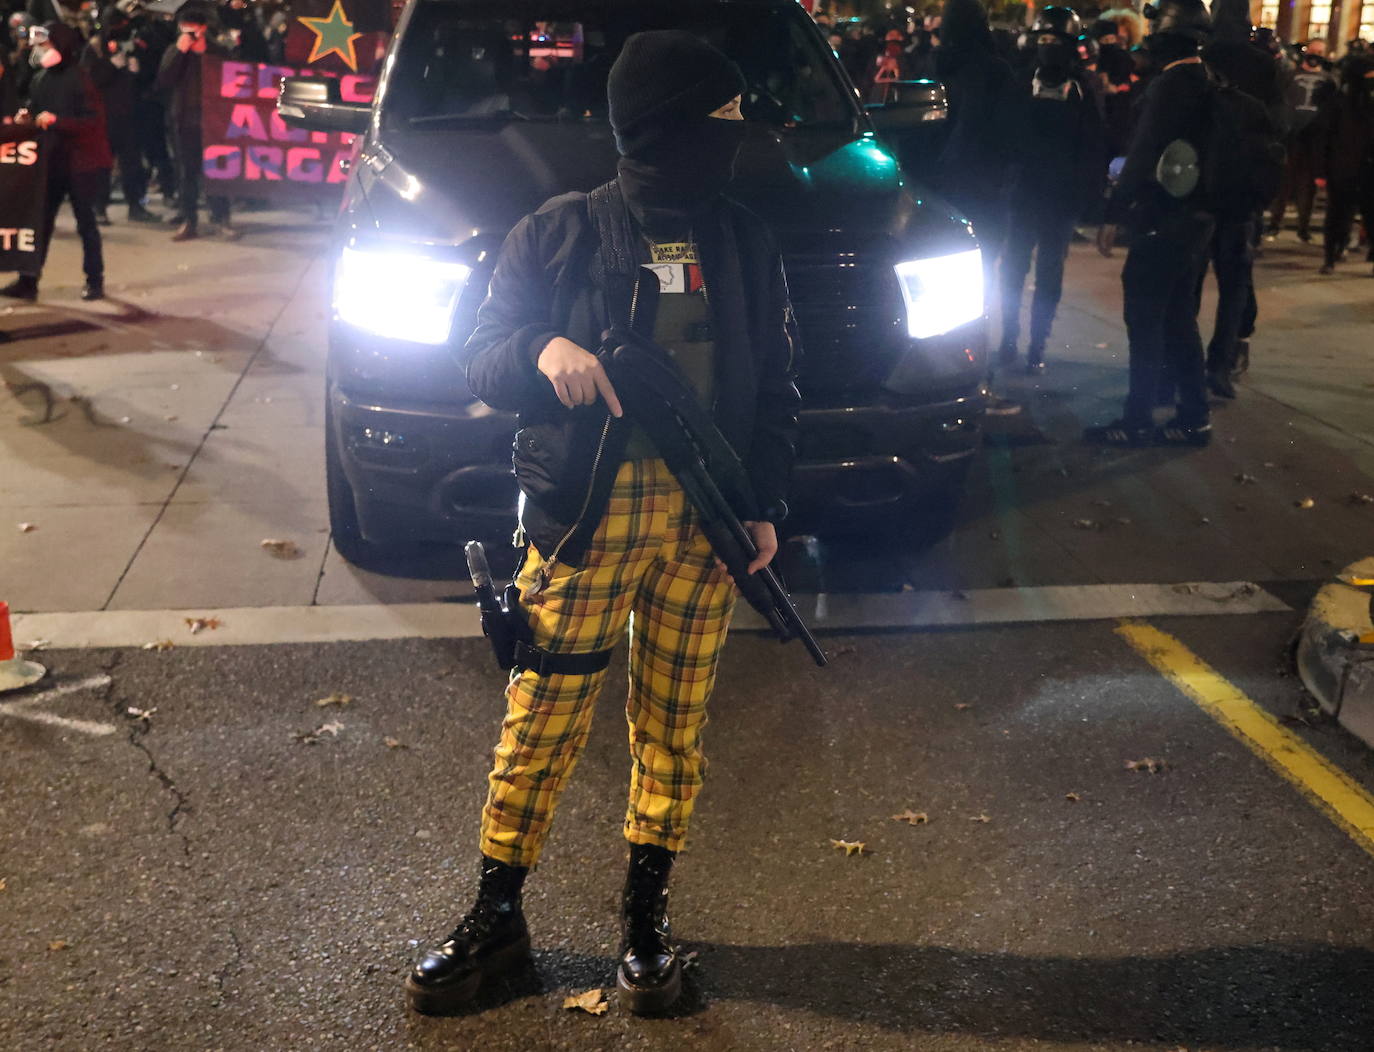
x=446 y=186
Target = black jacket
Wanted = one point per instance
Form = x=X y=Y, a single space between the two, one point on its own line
x=553 y=279
x=178 y=77
x=1060 y=148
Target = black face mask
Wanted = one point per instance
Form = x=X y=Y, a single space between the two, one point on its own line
x=682 y=174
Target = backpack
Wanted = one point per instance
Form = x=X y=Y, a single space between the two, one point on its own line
x=1242 y=157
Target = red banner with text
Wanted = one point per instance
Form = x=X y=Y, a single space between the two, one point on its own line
x=248 y=151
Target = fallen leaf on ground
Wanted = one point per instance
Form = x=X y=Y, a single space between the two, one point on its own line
x=199 y=624
x=1361 y=498
x=335 y=699
x=331 y=728
x=38 y=644
x=960 y=706
x=394 y=743
x=1148 y=764
x=281 y=549
x=145 y=715
x=849 y=847
x=689 y=959
x=979 y=818
x=4 y=884
x=1073 y=798
x=1244 y=479
x=912 y=818
x=27 y=527
x=57 y=944
x=1084 y=524
x=159 y=644
x=593 y=1001
x=1305 y=503
x=1102 y=346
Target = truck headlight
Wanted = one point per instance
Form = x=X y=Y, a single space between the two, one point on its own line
x=942 y=292
x=401 y=295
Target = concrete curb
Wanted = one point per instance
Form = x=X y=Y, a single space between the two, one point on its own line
x=1336 y=649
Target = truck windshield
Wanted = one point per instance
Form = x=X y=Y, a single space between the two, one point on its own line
x=463 y=62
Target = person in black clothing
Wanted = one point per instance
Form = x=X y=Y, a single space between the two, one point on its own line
x=1350 y=158
x=152 y=38
x=64 y=104
x=1059 y=168
x=1233 y=58
x=1169 y=238
x=107 y=59
x=597 y=508
x=1307 y=104
x=179 y=79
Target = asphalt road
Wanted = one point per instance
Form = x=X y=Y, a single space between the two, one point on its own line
x=209 y=881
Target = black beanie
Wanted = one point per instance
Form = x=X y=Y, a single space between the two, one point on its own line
x=663 y=77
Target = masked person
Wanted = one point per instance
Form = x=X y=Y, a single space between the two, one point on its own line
x=65 y=105
x=1169 y=238
x=1307 y=103
x=611 y=540
x=180 y=79
x=1349 y=158
x=1058 y=170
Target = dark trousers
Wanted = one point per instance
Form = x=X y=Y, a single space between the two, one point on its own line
x=1345 y=197
x=1160 y=282
x=83 y=189
x=188 y=182
x=150 y=124
x=1046 y=232
x=1232 y=256
x=1299 y=184
x=133 y=176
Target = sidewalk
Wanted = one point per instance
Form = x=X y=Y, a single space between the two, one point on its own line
x=155 y=440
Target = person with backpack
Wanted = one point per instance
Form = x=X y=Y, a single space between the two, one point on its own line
x=1058 y=169
x=1170 y=229
x=1248 y=93
x=612 y=541
x=1349 y=158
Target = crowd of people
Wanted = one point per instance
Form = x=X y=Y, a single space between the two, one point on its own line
x=118 y=87
x=1079 y=120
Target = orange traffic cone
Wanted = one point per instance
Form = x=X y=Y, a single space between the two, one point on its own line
x=15 y=672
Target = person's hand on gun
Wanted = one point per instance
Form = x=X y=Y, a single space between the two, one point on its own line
x=765 y=536
x=577 y=375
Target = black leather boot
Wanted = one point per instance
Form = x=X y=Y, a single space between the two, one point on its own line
x=650 y=974
x=491 y=940
x=24 y=287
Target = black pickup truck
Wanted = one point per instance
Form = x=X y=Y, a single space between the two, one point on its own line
x=486 y=108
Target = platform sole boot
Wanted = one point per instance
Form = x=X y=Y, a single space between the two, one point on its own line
x=649 y=979
x=491 y=941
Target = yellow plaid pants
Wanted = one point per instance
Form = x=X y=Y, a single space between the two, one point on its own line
x=648 y=568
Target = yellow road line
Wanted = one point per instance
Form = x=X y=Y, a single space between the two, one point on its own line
x=1325 y=785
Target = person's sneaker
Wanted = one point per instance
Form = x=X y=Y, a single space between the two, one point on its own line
x=1219 y=383
x=1118 y=433
x=186 y=233
x=94 y=290
x=1177 y=433
x=21 y=288
x=491 y=940
x=139 y=214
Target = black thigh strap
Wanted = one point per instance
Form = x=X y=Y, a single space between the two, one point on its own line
x=546 y=663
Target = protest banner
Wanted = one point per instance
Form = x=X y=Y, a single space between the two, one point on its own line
x=23 y=196
x=248 y=151
x=339 y=36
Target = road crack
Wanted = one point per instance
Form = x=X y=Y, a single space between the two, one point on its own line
x=139 y=730
x=220 y=976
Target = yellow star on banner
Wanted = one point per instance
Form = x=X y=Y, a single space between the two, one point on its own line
x=333 y=36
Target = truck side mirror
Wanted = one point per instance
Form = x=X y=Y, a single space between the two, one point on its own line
x=316 y=104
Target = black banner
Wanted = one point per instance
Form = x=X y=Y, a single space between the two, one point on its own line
x=23 y=192
x=248 y=151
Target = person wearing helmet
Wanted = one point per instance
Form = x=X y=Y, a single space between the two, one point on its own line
x=1349 y=158
x=64 y=103
x=1058 y=169
x=1169 y=233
